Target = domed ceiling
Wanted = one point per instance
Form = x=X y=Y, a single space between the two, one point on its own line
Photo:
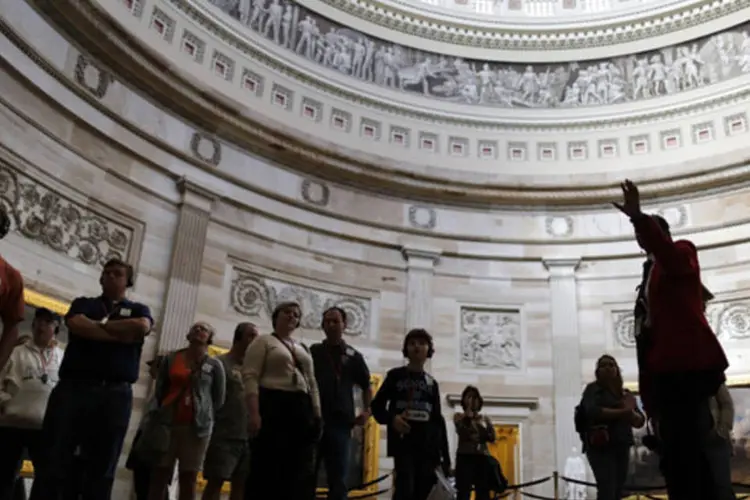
x=659 y=72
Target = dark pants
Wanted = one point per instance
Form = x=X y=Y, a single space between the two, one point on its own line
x=610 y=467
x=283 y=453
x=13 y=443
x=718 y=458
x=472 y=474
x=685 y=423
x=93 y=419
x=334 y=452
x=414 y=477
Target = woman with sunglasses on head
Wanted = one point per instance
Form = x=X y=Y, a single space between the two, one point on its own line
x=190 y=388
x=284 y=411
x=610 y=412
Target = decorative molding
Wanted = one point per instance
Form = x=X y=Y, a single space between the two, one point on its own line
x=676 y=216
x=561 y=267
x=422 y=217
x=422 y=257
x=559 y=226
x=61 y=224
x=490 y=339
x=666 y=71
x=255 y=296
x=196 y=195
x=624 y=328
x=315 y=192
x=524 y=37
x=307 y=158
x=206 y=148
x=91 y=77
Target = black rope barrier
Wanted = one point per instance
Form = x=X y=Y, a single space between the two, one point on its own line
x=639 y=490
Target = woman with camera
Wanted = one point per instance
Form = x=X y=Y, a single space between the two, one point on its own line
x=611 y=413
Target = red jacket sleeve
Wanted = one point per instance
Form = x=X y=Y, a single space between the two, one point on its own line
x=675 y=257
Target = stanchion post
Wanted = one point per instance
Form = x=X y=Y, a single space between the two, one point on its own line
x=556 y=479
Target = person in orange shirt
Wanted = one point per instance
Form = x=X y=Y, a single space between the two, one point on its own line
x=190 y=389
x=12 y=306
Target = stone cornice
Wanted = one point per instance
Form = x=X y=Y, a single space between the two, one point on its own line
x=547 y=38
x=114 y=48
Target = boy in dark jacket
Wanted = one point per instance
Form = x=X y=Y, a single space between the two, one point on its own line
x=408 y=402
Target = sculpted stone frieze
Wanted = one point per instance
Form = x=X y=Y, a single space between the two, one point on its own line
x=48 y=218
x=490 y=339
x=729 y=320
x=256 y=296
x=665 y=71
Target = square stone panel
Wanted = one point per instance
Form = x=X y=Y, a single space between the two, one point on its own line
x=490 y=338
x=428 y=142
x=609 y=148
x=546 y=151
x=487 y=150
x=282 y=97
x=222 y=66
x=193 y=47
x=517 y=151
x=703 y=132
x=735 y=124
x=640 y=145
x=312 y=109
x=341 y=120
x=578 y=151
x=399 y=136
x=458 y=146
x=370 y=129
x=163 y=25
x=252 y=82
x=671 y=139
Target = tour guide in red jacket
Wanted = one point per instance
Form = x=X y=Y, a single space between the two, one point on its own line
x=685 y=363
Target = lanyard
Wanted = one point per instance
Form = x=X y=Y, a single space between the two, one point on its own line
x=336 y=361
x=43 y=362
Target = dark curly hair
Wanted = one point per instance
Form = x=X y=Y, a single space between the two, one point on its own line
x=470 y=389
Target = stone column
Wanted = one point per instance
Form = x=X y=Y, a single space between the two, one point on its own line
x=186 y=263
x=566 y=354
x=420 y=268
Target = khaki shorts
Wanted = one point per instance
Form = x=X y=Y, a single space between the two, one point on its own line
x=227 y=459
x=186 y=449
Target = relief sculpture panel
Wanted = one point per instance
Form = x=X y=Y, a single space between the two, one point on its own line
x=490 y=339
x=635 y=77
x=256 y=296
x=46 y=217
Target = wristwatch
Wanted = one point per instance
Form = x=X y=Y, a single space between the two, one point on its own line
x=104 y=321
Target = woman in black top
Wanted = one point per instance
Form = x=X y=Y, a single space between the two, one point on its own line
x=611 y=413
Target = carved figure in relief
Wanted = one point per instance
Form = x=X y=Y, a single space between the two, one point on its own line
x=630 y=78
x=575 y=468
x=273 y=21
x=286 y=26
x=307 y=29
x=490 y=339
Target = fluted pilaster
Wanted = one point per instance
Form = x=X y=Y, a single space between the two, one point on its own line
x=186 y=263
x=566 y=353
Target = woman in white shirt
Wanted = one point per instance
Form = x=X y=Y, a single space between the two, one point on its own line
x=25 y=385
x=284 y=411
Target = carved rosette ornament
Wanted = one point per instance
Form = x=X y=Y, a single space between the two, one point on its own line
x=624 y=327
x=256 y=296
x=61 y=224
x=734 y=321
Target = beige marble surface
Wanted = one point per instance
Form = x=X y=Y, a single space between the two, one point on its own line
x=93 y=157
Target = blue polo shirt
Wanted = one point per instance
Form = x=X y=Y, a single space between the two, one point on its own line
x=97 y=361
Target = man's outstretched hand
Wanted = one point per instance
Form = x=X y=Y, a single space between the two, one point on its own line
x=631 y=199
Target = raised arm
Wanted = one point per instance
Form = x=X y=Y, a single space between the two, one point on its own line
x=595 y=412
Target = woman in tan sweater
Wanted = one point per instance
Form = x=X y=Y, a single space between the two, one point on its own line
x=284 y=411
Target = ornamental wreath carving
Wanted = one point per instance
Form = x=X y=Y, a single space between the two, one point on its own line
x=667 y=70
x=490 y=339
x=256 y=296
x=46 y=217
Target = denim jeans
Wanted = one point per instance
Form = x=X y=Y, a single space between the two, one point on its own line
x=334 y=452
x=91 y=418
x=610 y=467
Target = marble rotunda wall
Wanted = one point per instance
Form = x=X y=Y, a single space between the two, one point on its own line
x=521 y=301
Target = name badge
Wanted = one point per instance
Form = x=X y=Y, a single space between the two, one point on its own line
x=417 y=415
x=207 y=368
x=349 y=351
x=125 y=312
